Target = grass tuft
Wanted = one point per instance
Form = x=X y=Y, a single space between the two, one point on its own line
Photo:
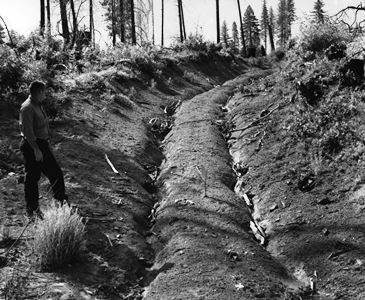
x=59 y=238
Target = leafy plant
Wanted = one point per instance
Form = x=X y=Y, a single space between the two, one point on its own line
x=317 y=37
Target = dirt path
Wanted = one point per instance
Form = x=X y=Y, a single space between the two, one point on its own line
x=202 y=237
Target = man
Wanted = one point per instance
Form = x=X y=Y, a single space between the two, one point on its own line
x=37 y=154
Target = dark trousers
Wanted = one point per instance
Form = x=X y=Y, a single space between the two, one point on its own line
x=33 y=169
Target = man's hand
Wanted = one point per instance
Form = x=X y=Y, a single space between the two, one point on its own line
x=38 y=155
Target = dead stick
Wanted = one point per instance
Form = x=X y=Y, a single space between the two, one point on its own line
x=111 y=165
x=254 y=123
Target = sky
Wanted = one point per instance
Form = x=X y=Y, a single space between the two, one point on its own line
x=23 y=15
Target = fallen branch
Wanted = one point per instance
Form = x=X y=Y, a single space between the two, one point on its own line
x=256 y=122
x=111 y=165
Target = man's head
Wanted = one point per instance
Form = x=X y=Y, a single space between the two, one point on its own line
x=37 y=91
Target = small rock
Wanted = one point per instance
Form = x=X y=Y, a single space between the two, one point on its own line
x=324 y=201
x=272 y=208
x=325 y=231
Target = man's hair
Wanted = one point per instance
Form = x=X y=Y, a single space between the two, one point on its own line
x=36 y=86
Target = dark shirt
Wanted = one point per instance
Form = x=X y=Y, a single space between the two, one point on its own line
x=33 y=121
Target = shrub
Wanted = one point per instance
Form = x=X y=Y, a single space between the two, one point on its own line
x=59 y=238
x=330 y=126
x=318 y=37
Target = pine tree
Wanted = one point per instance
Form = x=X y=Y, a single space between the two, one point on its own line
x=224 y=34
x=64 y=22
x=244 y=52
x=318 y=12
x=43 y=17
x=49 y=17
x=162 y=22
x=282 y=23
x=271 y=28
x=235 y=38
x=217 y=20
x=251 y=30
x=264 y=23
x=291 y=16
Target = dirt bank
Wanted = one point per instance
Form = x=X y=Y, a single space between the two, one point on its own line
x=315 y=233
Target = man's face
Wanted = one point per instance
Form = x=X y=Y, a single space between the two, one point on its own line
x=40 y=95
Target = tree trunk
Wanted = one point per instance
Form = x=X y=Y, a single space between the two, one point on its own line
x=43 y=19
x=133 y=24
x=65 y=30
x=91 y=23
x=74 y=23
x=241 y=27
x=49 y=18
x=218 y=25
x=162 y=22
x=113 y=22
x=183 y=19
x=122 y=27
x=271 y=37
x=153 y=23
x=180 y=21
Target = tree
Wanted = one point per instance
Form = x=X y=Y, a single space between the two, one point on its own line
x=181 y=21
x=271 y=28
x=133 y=23
x=122 y=21
x=64 y=22
x=218 y=24
x=114 y=34
x=318 y=12
x=224 y=34
x=291 y=16
x=43 y=18
x=49 y=18
x=241 y=28
x=251 y=30
x=264 y=23
x=74 y=23
x=235 y=38
x=91 y=22
x=282 y=23
x=162 y=21
x=153 y=22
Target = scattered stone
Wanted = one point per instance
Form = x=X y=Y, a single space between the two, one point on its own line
x=306 y=182
x=239 y=286
x=272 y=208
x=324 y=201
x=233 y=255
x=325 y=231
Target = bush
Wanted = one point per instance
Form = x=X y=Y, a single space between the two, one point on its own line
x=317 y=37
x=59 y=238
x=331 y=125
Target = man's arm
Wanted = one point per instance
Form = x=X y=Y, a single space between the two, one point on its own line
x=26 y=126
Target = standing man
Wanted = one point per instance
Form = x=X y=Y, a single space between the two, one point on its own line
x=37 y=154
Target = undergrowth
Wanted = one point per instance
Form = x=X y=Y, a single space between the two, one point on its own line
x=59 y=238
x=326 y=118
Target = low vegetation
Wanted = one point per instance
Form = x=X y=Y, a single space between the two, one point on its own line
x=326 y=120
x=59 y=238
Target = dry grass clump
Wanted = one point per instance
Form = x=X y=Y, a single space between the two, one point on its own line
x=59 y=238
